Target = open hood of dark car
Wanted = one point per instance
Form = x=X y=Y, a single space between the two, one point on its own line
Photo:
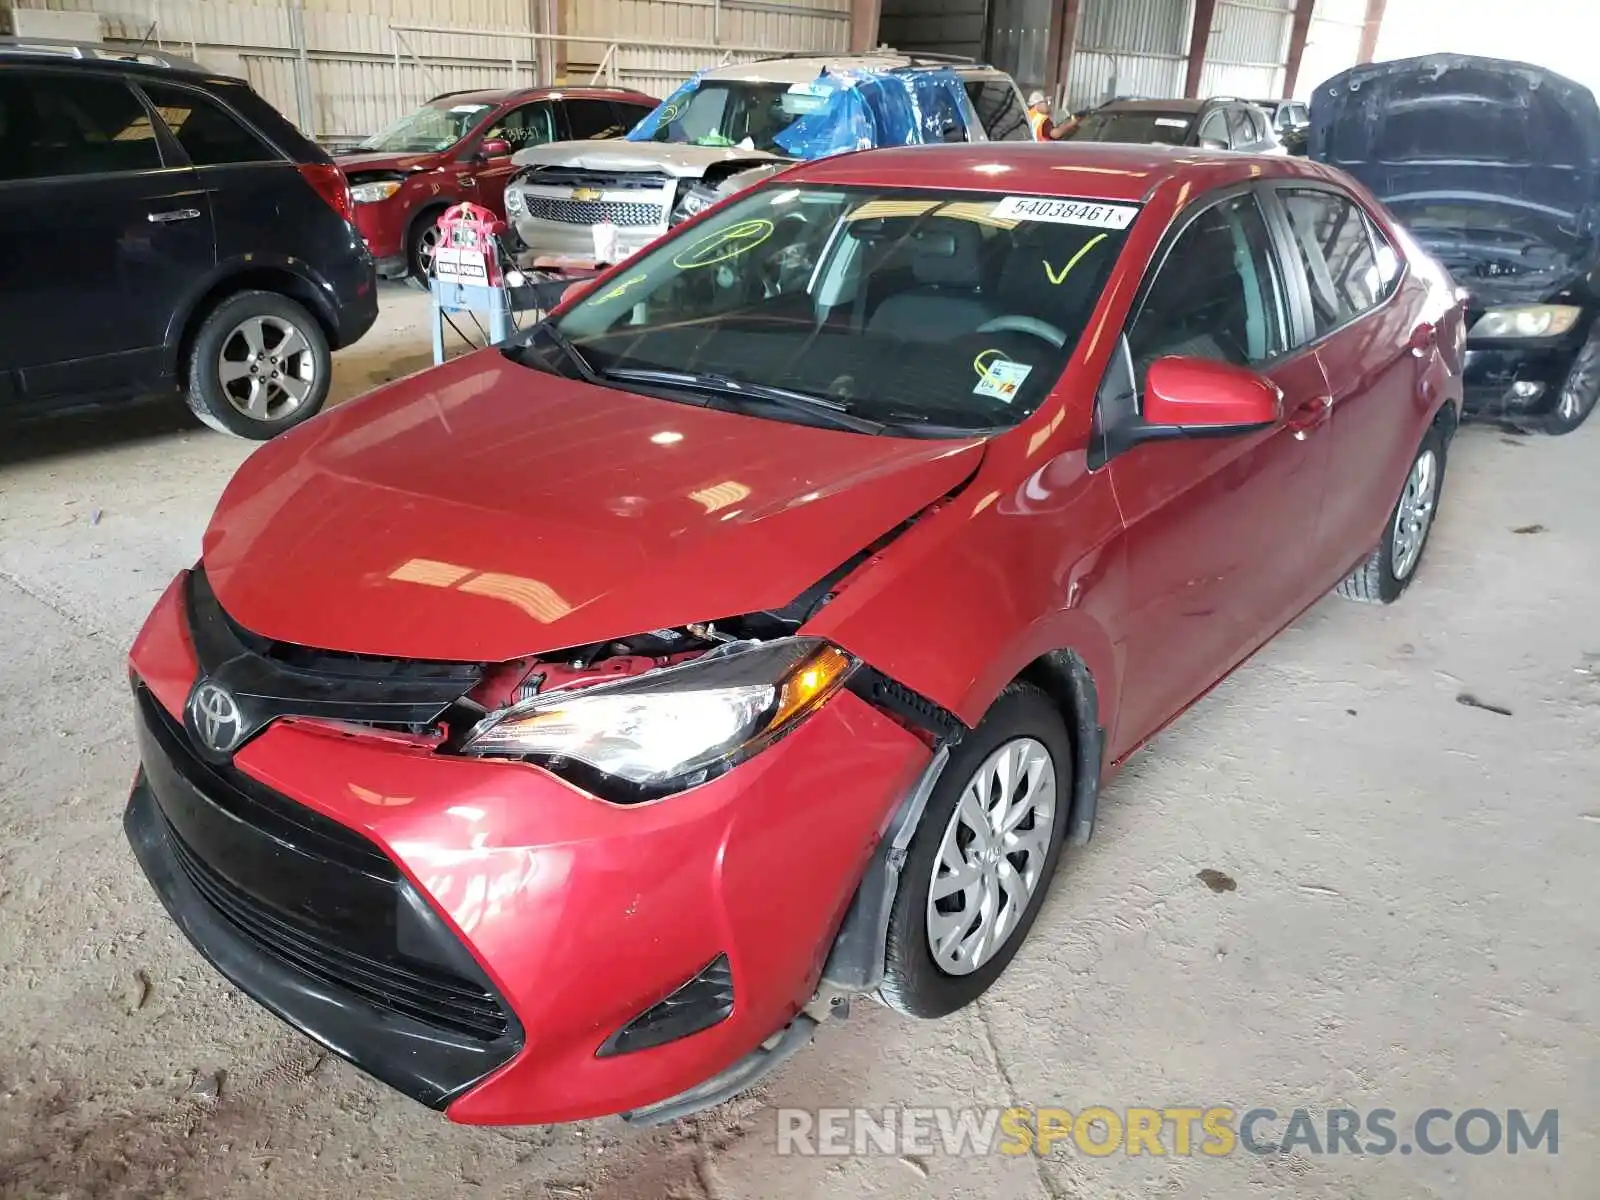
x=1459 y=126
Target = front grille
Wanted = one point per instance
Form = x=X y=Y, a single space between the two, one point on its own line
x=587 y=212
x=434 y=998
x=611 y=181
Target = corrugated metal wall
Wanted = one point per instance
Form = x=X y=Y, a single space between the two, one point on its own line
x=1332 y=44
x=1129 y=49
x=356 y=89
x=750 y=27
x=940 y=26
x=1019 y=39
x=1248 y=46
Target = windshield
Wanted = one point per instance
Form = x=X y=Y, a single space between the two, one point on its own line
x=730 y=113
x=428 y=130
x=1162 y=129
x=933 y=313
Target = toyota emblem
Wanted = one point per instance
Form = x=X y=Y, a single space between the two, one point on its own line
x=216 y=717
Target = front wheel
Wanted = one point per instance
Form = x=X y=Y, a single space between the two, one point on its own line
x=1393 y=563
x=981 y=860
x=259 y=364
x=422 y=243
x=1579 y=390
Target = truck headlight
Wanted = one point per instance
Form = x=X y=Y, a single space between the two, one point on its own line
x=1526 y=321
x=516 y=206
x=673 y=728
x=371 y=193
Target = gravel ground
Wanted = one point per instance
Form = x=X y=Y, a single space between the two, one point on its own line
x=1410 y=925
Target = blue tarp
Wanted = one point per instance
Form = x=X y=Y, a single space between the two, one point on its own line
x=856 y=110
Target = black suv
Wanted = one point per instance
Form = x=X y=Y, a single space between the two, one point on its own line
x=167 y=227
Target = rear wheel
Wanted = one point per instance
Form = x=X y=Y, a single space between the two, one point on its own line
x=1393 y=563
x=259 y=364
x=981 y=860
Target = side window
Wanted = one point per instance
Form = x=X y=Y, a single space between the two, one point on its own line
x=54 y=125
x=588 y=120
x=1258 y=122
x=1216 y=295
x=530 y=125
x=1000 y=110
x=1336 y=251
x=209 y=135
x=1241 y=129
x=1298 y=115
x=1214 y=128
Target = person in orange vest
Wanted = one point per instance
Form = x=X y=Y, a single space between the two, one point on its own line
x=1039 y=120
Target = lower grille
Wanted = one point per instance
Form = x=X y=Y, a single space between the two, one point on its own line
x=587 y=212
x=431 y=997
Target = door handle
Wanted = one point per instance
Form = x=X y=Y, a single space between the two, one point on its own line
x=1309 y=415
x=171 y=215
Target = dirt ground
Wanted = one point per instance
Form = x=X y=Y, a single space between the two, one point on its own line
x=1415 y=921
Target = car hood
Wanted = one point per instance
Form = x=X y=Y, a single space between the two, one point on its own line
x=484 y=511
x=681 y=160
x=1464 y=126
x=376 y=161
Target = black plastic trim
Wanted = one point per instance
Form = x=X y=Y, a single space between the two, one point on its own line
x=895 y=698
x=704 y=1001
x=353 y=957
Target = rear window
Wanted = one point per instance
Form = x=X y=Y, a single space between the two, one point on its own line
x=1162 y=129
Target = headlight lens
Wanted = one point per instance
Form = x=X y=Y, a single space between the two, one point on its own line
x=676 y=727
x=514 y=202
x=694 y=197
x=1526 y=321
x=371 y=193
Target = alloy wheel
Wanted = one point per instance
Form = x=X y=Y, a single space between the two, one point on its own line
x=1413 y=516
x=267 y=368
x=992 y=856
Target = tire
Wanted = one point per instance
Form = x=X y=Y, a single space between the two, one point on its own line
x=420 y=239
x=916 y=982
x=254 y=403
x=1579 y=391
x=1389 y=570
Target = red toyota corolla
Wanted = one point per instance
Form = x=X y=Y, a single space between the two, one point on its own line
x=568 y=729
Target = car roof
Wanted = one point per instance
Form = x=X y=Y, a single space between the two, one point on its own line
x=1091 y=170
x=62 y=52
x=493 y=96
x=803 y=68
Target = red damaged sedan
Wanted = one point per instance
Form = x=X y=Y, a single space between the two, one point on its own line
x=569 y=729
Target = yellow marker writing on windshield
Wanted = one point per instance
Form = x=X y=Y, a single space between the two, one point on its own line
x=1074 y=260
x=622 y=287
x=724 y=244
x=981 y=365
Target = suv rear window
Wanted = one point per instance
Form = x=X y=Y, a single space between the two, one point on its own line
x=209 y=135
x=1162 y=129
x=52 y=125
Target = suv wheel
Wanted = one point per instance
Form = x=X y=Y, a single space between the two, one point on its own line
x=259 y=365
x=981 y=860
x=421 y=243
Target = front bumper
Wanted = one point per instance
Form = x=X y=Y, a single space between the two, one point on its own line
x=573 y=914
x=1507 y=379
x=383 y=227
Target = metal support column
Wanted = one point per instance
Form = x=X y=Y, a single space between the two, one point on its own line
x=1299 y=31
x=1369 y=31
x=1199 y=36
x=1061 y=39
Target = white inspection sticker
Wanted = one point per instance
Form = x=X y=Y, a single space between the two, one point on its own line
x=999 y=378
x=1066 y=212
x=1173 y=122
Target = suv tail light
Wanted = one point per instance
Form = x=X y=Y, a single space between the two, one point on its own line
x=332 y=186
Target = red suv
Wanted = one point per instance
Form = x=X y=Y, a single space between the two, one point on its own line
x=571 y=728
x=457 y=147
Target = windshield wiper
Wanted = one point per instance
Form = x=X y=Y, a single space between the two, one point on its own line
x=833 y=411
x=563 y=343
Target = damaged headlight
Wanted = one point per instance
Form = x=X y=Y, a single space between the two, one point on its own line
x=1526 y=321
x=693 y=197
x=516 y=206
x=371 y=193
x=675 y=727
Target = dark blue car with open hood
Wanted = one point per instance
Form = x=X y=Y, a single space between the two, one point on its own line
x=1494 y=167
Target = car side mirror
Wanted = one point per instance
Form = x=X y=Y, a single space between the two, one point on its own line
x=494 y=148
x=1199 y=397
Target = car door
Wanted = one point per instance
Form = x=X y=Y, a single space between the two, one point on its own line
x=520 y=127
x=102 y=233
x=1218 y=530
x=257 y=196
x=1362 y=333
